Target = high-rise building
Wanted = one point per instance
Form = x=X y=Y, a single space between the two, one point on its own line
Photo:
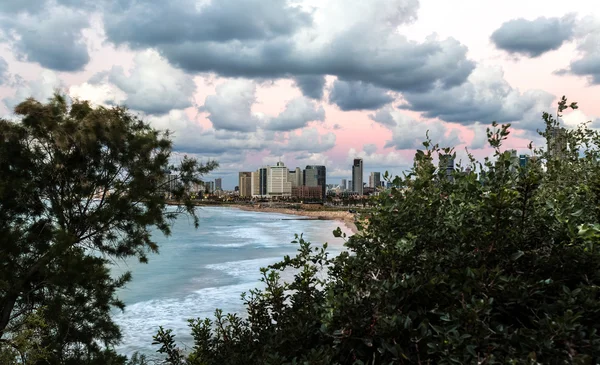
x=263 y=174
x=277 y=181
x=209 y=187
x=316 y=175
x=447 y=164
x=296 y=177
x=350 y=186
x=557 y=142
x=375 y=180
x=523 y=160
x=259 y=182
x=245 y=184
x=343 y=185
x=218 y=184
x=357 y=176
x=514 y=160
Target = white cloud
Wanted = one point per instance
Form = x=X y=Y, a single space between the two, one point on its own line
x=40 y=89
x=297 y=114
x=408 y=133
x=231 y=107
x=153 y=85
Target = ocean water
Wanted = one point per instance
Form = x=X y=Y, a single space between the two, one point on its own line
x=199 y=270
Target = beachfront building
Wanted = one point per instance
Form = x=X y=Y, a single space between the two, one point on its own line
x=277 y=181
x=316 y=176
x=343 y=185
x=296 y=177
x=245 y=184
x=259 y=182
x=357 y=176
x=218 y=184
x=307 y=192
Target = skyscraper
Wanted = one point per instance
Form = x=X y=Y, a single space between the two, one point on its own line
x=375 y=180
x=557 y=142
x=316 y=175
x=277 y=181
x=245 y=184
x=263 y=173
x=343 y=185
x=357 y=176
x=523 y=160
x=218 y=184
x=447 y=164
x=296 y=177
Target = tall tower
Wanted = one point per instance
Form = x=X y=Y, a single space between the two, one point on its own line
x=218 y=184
x=343 y=185
x=357 y=176
x=316 y=175
x=557 y=142
x=375 y=180
x=447 y=164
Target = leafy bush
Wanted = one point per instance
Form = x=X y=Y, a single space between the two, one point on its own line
x=497 y=269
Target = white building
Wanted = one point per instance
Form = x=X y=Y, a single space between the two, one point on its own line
x=278 y=183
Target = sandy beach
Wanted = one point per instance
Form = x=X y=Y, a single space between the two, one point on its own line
x=342 y=216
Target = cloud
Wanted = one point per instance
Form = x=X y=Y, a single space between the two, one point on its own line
x=408 y=133
x=231 y=107
x=354 y=41
x=148 y=24
x=486 y=97
x=480 y=139
x=190 y=137
x=370 y=148
x=392 y=160
x=153 y=85
x=38 y=6
x=40 y=89
x=3 y=70
x=533 y=38
x=298 y=112
x=588 y=46
x=308 y=140
x=98 y=93
x=311 y=85
x=356 y=95
x=52 y=38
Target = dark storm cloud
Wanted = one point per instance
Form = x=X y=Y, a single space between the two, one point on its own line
x=52 y=38
x=486 y=97
x=311 y=85
x=533 y=38
x=274 y=42
x=356 y=95
x=156 y=22
x=588 y=66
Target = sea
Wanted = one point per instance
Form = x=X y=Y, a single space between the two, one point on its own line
x=199 y=270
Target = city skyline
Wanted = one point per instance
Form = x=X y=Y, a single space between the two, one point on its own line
x=315 y=83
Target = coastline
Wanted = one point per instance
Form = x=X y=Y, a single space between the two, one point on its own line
x=341 y=216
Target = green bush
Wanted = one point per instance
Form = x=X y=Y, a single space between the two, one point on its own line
x=495 y=270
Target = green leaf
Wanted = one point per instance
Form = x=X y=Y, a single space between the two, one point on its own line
x=515 y=256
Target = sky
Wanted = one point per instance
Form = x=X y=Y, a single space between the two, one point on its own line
x=252 y=82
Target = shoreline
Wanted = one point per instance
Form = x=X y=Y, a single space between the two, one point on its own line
x=341 y=216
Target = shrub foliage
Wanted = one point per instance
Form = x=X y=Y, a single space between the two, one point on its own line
x=496 y=264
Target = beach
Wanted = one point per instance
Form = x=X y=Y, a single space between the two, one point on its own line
x=201 y=269
x=339 y=215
